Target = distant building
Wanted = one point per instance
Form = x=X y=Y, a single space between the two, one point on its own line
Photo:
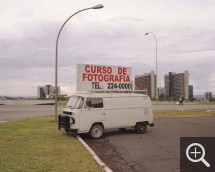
x=161 y=91
x=207 y=95
x=190 y=91
x=45 y=91
x=3 y=98
x=176 y=84
x=147 y=81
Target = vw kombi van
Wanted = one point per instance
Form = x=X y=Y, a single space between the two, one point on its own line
x=95 y=112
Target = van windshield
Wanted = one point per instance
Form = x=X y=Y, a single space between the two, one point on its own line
x=75 y=102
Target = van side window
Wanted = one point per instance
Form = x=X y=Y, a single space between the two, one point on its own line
x=96 y=102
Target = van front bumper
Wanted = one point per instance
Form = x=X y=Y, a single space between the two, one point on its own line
x=69 y=130
x=64 y=124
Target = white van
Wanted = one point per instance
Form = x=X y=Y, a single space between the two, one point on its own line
x=94 y=112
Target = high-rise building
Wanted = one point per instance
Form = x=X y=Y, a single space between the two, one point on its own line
x=207 y=95
x=161 y=91
x=190 y=91
x=147 y=81
x=177 y=84
x=44 y=91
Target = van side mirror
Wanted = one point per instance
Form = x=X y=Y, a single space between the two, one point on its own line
x=88 y=102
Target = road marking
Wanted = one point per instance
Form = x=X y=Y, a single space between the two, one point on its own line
x=2 y=121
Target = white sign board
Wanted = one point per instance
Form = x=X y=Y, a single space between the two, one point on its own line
x=101 y=77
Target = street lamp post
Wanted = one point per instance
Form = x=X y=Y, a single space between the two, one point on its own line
x=56 y=59
x=156 y=68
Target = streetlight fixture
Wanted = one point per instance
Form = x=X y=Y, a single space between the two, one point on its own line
x=56 y=59
x=156 y=67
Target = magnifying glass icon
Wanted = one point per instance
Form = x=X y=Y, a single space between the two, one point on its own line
x=196 y=152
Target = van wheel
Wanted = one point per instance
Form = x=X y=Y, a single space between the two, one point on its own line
x=96 y=131
x=140 y=127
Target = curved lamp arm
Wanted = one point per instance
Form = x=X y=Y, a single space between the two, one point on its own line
x=56 y=59
x=156 y=91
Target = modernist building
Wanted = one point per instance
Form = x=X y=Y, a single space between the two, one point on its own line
x=44 y=91
x=147 y=81
x=190 y=91
x=177 y=84
x=207 y=95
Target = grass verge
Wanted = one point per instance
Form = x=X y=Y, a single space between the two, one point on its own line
x=35 y=144
x=62 y=103
x=166 y=113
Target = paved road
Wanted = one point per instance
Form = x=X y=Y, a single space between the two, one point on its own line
x=17 y=112
x=158 y=150
x=188 y=106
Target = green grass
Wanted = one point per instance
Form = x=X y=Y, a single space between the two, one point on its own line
x=36 y=144
x=166 y=113
x=62 y=103
x=204 y=103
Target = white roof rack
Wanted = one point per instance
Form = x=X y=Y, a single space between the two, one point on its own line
x=111 y=91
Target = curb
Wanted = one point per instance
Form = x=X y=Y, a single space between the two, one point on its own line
x=97 y=159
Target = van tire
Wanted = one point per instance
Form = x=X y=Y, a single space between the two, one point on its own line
x=96 y=131
x=140 y=127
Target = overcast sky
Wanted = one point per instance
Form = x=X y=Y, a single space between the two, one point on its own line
x=114 y=35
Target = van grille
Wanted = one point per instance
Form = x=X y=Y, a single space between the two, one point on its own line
x=63 y=122
x=146 y=111
x=67 y=113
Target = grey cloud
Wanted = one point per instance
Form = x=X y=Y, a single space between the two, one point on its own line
x=27 y=51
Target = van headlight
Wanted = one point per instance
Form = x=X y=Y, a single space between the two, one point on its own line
x=72 y=120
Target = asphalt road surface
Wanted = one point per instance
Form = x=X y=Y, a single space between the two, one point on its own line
x=17 y=112
x=185 y=106
x=158 y=150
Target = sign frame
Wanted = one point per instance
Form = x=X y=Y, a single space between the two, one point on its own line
x=103 y=77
